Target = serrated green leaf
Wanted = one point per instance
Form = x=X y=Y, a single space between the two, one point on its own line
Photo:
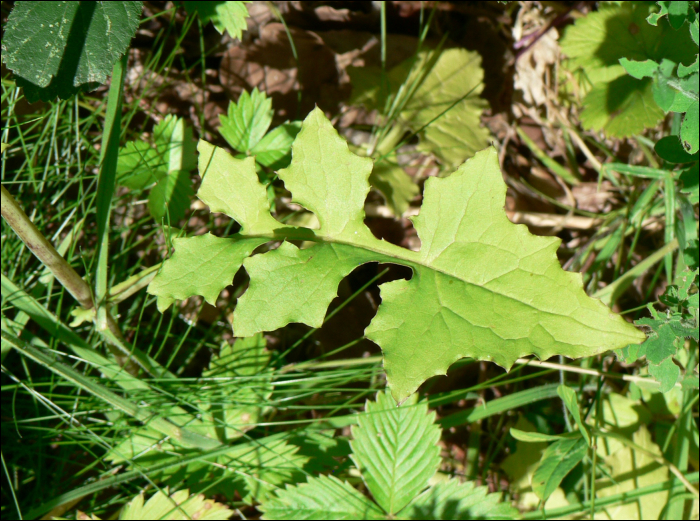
x=267 y=468
x=138 y=444
x=62 y=48
x=275 y=149
x=325 y=497
x=557 y=461
x=395 y=449
x=660 y=342
x=245 y=363
x=487 y=288
x=247 y=120
x=454 y=500
x=684 y=71
x=174 y=143
x=176 y=506
x=568 y=396
x=326 y=178
x=307 y=277
x=225 y=16
x=202 y=265
x=618 y=104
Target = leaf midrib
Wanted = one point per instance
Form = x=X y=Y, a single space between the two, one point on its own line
x=394 y=254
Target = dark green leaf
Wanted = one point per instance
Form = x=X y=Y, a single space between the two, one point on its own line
x=62 y=48
x=670 y=149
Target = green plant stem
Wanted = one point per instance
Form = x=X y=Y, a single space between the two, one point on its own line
x=109 y=154
x=143 y=414
x=124 y=290
x=44 y=250
x=670 y=227
x=680 y=451
x=609 y=293
x=592 y=372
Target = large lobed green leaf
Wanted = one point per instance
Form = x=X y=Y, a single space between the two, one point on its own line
x=62 y=48
x=482 y=287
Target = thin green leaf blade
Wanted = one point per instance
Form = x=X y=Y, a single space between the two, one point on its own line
x=537 y=437
x=247 y=120
x=568 y=396
x=557 y=461
x=395 y=449
x=266 y=468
